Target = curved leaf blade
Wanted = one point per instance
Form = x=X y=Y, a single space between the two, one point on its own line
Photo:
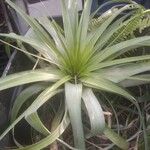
x=116 y=139
x=106 y=85
x=95 y=112
x=50 y=138
x=73 y=93
x=27 y=77
x=40 y=100
x=23 y=97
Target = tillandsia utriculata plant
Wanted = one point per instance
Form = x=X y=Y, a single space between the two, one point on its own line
x=82 y=56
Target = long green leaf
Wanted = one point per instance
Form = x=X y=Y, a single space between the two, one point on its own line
x=94 y=36
x=106 y=85
x=120 y=73
x=67 y=24
x=135 y=80
x=34 y=120
x=50 y=138
x=23 y=97
x=27 y=77
x=39 y=31
x=73 y=93
x=39 y=101
x=36 y=123
x=116 y=139
x=45 y=95
x=37 y=44
x=120 y=61
x=83 y=25
x=95 y=112
x=114 y=27
x=123 y=47
x=108 y=3
x=57 y=36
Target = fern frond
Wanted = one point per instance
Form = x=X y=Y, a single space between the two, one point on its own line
x=96 y=22
x=139 y=21
x=144 y=23
x=126 y=31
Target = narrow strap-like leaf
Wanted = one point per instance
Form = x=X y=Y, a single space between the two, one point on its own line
x=67 y=24
x=34 y=120
x=23 y=97
x=83 y=25
x=27 y=77
x=39 y=31
x=20 y=100
x=116 y=139
x=37 y=124
x=94 y=36
x=120 y=61
x=50 y=138
x=57 y=36
x=108 y=3
x=45 y=95
x=114 y=27
x=35 y=43
x=123 y=47
x=106 y=85
x=73 y=93
x=14 y=139
x=120 y=73
x=40 y=100
x=95 y=112
x=136 y=80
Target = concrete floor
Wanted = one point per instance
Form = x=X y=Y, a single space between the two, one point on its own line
x=48 y=8
x=43 y=8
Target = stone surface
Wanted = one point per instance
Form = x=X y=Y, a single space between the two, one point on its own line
x=48 y=8
x=37 y=9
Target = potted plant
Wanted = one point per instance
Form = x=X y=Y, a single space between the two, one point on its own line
x=85 y=55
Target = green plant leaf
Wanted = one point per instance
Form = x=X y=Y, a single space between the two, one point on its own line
x=95 y=35
x=37 y=44
x=135 y=80
x=23 y=97
x=46 y=94
x=38 y=102
x=114 y=27
x=28 y=77
x=120 y=73
x=123 y=47
x=95 y=112
x=34 y=121
x=120 y=61
x=108 y=3
x=39 y=31
x=73 y=93
x=67 y=24
x=52 y=30
x=83 y=25
x=58 y=116
x=50 y=138
x=116 y=139
x=15 y=141
x=20 y=100
x=106 y=85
